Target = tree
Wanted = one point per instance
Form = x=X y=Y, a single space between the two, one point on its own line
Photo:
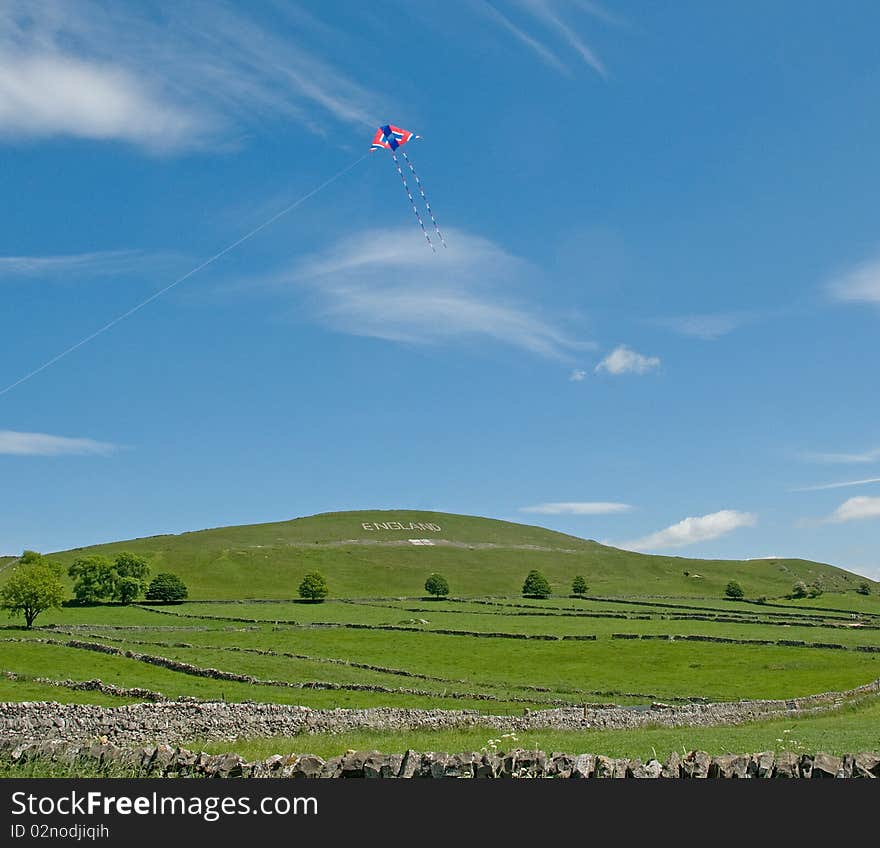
x=313 y=587
x=437 y=585
x=536 y=585
x=166 y=587
x=130 y=577
x=734 y=591
x=579 y=586
x=34 y=587
x=93 y=579
x=814 y=590
x=864 y=588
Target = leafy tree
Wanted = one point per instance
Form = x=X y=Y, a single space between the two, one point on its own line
x=536 y=585
x=93 y=579
x=734 y=591
x=579 y=586
x=34 y=587
x=437 y=585
x=166 y=587
x=313 y=587
x=814 y=590
x=130 y=573
x=864 y=588
x=799 y=590
x=127 y=589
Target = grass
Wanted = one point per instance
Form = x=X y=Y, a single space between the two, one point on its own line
x=377 y=578
x=850 y=730
x=485 y=557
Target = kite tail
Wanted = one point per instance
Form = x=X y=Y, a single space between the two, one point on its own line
x=412 y=201
x=424 y=198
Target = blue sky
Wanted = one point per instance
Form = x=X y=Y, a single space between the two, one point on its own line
x=655 y=324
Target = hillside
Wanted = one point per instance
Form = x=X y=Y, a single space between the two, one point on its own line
x=369 y=553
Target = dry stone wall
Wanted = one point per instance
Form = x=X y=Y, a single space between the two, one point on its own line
x=167 y=761
x=178 y=721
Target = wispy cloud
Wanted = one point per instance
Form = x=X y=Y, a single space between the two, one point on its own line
x=822 y=486
x=98 y=263
x=577 y=376
x=858 y=285
x=543 y=52
x=855 y=509
x=13 y=443
x=623 y=360
x=707 y=326
x=163 y=77
x=387 y=284
x=545 y=12
x=557 y=28
x=693 y=530
x=871 y=455
x=577 y=508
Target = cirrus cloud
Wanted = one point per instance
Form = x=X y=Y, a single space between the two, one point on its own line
x=858 y=285
x=388 y=285
x=14 y=443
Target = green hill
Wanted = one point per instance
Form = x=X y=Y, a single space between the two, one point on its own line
x=370 y=553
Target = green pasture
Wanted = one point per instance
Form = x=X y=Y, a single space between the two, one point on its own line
x=849 y=730
x=479 y=556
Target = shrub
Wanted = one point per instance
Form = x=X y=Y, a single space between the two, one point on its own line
x=579 y=586
x=799 y=590
x=814 y=590
x=536 y=585
x=313 y=587
x=437 y=585
x=166 y=587
x=734 y=591
x=864 y=588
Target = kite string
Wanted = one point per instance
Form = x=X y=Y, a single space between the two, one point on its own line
x=412 y=201
x=49 y=362
x=424 y=198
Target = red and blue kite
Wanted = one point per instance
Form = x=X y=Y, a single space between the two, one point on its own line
x=392 y=138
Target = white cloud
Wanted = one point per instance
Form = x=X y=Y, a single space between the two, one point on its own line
x=856 y=509
x=577 y=508
x=559 y=28
x=693 y=530
x=622 y=360
x=859 y=285
x=48 y=95
x=99 y=263
x=708 y=326
x=387 y=284
x=13 y=443
x=544 y=52
x=577 y=375
x=545 y=12
x=165 y=77
x=842 y=485
x=871 y=455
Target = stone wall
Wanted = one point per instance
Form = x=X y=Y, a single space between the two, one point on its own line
x=166 y=761
x=178 y=721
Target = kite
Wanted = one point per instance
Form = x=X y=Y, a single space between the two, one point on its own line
x=393 y=138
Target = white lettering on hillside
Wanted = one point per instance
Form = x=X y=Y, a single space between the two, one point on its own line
x=400 y=525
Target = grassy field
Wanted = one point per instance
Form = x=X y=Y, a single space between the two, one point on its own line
x=487 y=649
x=479 y=556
